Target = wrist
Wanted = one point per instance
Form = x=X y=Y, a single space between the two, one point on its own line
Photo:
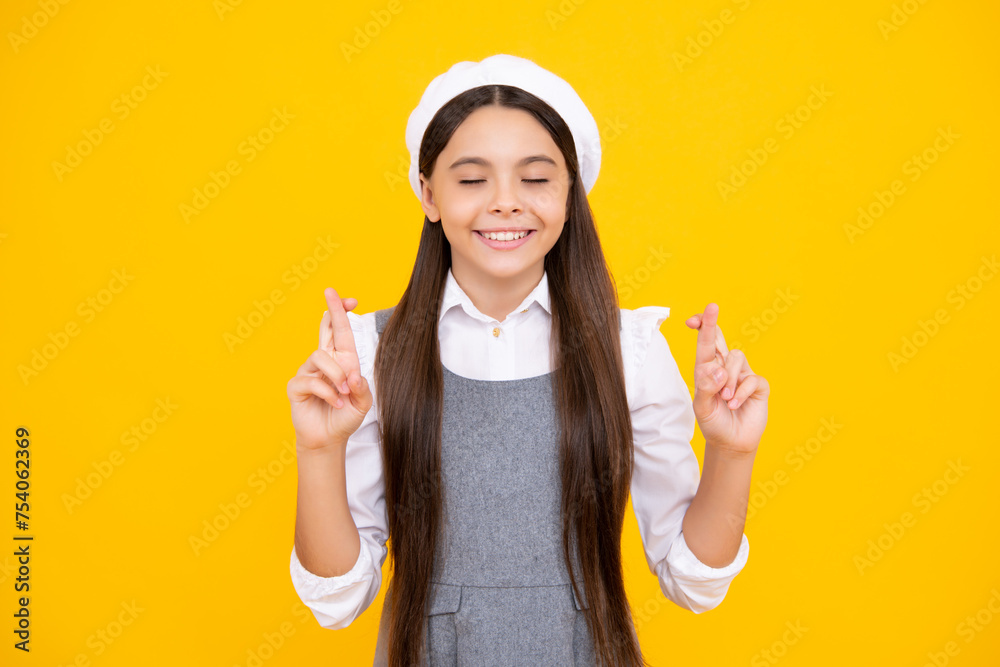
x=334 y=448
x=729 y=453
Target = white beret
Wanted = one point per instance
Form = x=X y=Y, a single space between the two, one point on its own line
x=512 y=71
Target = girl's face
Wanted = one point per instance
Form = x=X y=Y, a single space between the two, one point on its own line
x=500 y=172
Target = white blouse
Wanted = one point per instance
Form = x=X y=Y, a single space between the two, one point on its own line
x=665 y=476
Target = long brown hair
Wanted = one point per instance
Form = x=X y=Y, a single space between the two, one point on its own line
x=589 y=390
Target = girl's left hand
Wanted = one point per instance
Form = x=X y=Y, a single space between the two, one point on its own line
x=730 y=401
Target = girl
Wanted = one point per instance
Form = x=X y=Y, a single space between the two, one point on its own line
x=494 y=421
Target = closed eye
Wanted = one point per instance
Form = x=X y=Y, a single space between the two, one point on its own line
x=527 y=180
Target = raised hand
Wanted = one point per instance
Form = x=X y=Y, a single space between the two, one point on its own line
x=730 y=401
x=329 y=397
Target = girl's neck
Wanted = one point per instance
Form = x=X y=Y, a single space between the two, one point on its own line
x=497 y=297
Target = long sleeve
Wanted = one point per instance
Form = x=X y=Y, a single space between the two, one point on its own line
x=666 y=475
x=337 y=601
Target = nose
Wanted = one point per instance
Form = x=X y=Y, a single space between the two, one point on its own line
x=505 y=198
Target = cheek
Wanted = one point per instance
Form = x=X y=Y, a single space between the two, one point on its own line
x=464 y=210
x=550 y=205
x=459 y=208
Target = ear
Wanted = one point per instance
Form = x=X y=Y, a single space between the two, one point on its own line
x=427 y=200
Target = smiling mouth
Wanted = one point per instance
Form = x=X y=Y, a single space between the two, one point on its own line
x=505 y=236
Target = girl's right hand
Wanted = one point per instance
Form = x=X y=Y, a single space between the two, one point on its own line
x=329 y=396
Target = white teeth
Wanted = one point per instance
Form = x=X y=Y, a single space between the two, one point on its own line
x=504 y=236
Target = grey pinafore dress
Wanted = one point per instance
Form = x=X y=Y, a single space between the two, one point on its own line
x=500 y=594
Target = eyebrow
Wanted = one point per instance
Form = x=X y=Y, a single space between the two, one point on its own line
x=482 y=162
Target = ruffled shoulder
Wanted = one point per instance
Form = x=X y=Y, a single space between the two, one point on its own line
x=639 y=325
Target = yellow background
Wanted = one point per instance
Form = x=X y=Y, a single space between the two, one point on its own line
x=672 y=130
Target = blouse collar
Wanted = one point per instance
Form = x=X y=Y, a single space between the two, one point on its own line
x=454 y=295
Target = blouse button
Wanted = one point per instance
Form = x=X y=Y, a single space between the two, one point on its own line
x=496 y=331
